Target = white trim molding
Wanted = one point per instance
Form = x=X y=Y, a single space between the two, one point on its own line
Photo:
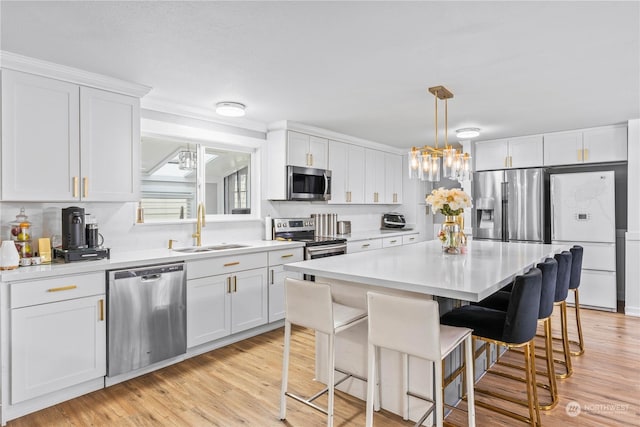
x=336 y=136
x=14 y=61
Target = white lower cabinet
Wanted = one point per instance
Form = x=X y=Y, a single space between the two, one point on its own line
x=225 y=304
x=388 y=242
x=409 y=239
x=57 y=344
x=277 y=275
x=364 y=245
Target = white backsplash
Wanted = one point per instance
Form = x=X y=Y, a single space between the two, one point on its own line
x=116 y=222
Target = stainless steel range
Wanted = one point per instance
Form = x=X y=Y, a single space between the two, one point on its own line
x=302 y=230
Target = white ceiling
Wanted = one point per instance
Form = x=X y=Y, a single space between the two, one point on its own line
x=359 y=68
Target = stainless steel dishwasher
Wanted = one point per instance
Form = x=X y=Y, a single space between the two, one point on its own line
x=147 y=317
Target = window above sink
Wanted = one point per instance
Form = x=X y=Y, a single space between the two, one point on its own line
x=180 y=169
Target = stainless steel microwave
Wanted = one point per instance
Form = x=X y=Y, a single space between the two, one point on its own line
x=308 y=183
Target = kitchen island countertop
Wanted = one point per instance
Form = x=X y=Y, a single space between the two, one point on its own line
x=424 y=268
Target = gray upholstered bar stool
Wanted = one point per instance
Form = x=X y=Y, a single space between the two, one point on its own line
x=412 y=327
x=309 y=304
x=574 y=284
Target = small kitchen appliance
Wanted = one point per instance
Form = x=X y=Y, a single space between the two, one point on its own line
x=393 y=221
x=74 y=238
x=344 y=227
x=73 y=230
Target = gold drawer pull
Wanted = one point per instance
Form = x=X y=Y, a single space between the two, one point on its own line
x=393 y=241
x=229 y=264
x=75 y=187
x=286 y=256
x=366 y=245
x=62 y=288
x=101 y=305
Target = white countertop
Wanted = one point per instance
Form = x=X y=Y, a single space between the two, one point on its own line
x=129 y=259
x=376 y=234
x=424 y=268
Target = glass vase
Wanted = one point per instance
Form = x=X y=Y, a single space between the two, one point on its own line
x=450 y=235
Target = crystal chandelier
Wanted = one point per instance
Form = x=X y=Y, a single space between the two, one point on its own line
x=187 y=159
x=431 y=163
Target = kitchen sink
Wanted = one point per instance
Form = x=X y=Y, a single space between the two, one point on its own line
x=198 y=249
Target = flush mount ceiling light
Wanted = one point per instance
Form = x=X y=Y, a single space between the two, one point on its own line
x=429 y=163
x=466 y=133
x=230 y=109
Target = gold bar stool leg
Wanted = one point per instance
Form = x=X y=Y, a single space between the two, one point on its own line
x=565 y=342
x=580 y=341
x=551 y=372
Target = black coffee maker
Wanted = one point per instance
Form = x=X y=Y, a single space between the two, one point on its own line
x=73 y=233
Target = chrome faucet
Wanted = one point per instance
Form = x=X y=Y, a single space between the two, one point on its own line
x=199 y=224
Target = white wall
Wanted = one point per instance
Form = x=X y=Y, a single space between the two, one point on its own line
x=632 y=237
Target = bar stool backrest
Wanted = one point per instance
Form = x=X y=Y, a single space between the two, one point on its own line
x=522 y=314
x=410 y=326
x=549 y=270
x=576 y=266
x=564 y=275
x=309 y=304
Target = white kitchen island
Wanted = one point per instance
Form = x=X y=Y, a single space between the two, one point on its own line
x=420 y=270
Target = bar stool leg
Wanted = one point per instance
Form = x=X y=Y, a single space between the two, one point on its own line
x=565 y=341
x=578 y=324
x=468 y=380
x=405 y=386
x=376 y=400
x=371 y=384
x=551 y=373
x=439 y=397
x=285 y=370
x=331 y=379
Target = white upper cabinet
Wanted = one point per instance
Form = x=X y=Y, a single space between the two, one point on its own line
x=307 y=150
x=64 y=142
x=40 y=139
x=347 y=165
x=110 y=142
x=393 y=181
x=509 y=153
x=604 y=144
x=374 y=190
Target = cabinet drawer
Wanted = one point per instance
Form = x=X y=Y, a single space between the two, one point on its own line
x=411 y=238
x=225 y=264
x=599 y=256
x=391 y=241
x=363 y=245
x=285 y=256
x=42 y=291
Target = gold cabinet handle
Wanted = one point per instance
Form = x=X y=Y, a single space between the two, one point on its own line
x=62 y=288
x=366 y=245
x=229 y=284
x=75 y=186
x=393 y=241
x=229 y=264
x=235 y=283
x=579 y=153
x=506 y=160
x=85 y=187
x=585 y=155
x=286 y=256
x=510 y=161
x=311 y=155
x=272 y=279
x=101 y=309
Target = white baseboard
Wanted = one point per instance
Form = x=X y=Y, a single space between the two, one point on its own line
x=632 y=311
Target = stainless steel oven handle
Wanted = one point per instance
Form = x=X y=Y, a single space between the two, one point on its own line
x=312 y=249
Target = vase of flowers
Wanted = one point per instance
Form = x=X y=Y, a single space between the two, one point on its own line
x=451 y=204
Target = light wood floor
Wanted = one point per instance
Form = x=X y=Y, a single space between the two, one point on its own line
x=240 y=384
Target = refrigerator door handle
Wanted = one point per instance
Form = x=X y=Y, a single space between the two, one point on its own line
x=505 y=211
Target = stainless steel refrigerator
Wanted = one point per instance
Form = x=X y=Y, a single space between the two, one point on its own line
x=511 y=205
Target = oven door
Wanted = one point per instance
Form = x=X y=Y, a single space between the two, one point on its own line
x=322 y=251
x=308 y=183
